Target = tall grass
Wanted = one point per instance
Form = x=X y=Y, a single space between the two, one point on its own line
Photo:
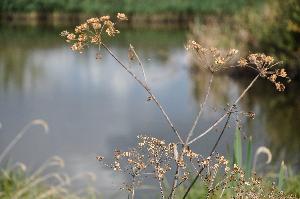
x=46 y=182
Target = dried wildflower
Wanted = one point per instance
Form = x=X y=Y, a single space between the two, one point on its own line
x=104 y=18
x=279 y=86
x=220 y=60
x=214 y=51
x=71 y=36
x=281 y=73
x=96 y=26
x=232 y=52
x=64 y=33
x=131 y=54
x=269 y=59
x=264 y=64
x=122 y=17
x=98 y=55
x=152 y=157
x=212 y=58
x=77 y=46
x=251 y=115
x=272 y=78
x=95 y=39
x=99 y=158
x=93 y=20
x=90 y=32
x=242 y=62
x=82 y=37
x=111 y=30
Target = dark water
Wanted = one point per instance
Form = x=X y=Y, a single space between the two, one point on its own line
x=93 y=106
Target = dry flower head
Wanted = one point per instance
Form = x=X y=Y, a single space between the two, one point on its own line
x=91 y=32
x=212 y=58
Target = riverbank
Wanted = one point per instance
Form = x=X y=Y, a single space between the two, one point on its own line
x=165 y=20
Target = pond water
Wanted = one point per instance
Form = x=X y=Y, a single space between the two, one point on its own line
x=93 y=106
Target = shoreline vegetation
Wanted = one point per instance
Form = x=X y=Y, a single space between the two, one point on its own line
x=269 y=26
x=33 y=18
x=175 y=12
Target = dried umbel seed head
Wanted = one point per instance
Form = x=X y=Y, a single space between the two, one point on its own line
x=212 y=58
x=152 y=157
x=99 y=158
x=122 y=17
x=264 y=65
x=242 y=62
x=91 y=32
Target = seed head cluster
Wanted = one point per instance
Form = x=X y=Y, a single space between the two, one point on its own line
x=151 y=157
x=264 y=64
x=91 y=31
x=220 y=179
x=212 y=58
x=155 y=158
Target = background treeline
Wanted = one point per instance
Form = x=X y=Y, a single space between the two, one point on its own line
x=128 y=6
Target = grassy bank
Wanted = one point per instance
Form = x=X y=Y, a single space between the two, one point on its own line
x=272 y=27
x=17 y=182
x=128 y=6
x=140 y=12
x=35 y=18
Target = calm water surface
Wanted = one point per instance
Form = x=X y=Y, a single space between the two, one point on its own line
x=93 y=106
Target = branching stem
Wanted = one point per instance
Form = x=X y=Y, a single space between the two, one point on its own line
x=228 y=114
x=148 y=91
x=228 y=111
x=201 y=109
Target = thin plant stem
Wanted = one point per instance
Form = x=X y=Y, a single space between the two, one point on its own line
x=211 y=152
x=228 y=113
x=175 y=182
x=132 y=193
x=21 y=134
x=201 y=109
x=152 y=96
x=161 y=190
x=224 y=116
x=140 y=63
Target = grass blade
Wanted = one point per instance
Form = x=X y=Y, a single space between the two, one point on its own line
x=237 y=148
x=249 y=158
x=281 y=176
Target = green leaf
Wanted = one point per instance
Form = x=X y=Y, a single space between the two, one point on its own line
x=237 y=148
x=249 y=158
x=281 y=176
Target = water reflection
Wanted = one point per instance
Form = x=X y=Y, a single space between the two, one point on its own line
x=280 y=118
x=277 y=114
x=93 y=106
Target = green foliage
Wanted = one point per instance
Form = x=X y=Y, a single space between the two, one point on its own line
x=238 y=153
x=248 y=166
x=281 y=175
x=128 y=6
x=292 y=185
x=275 y=26
x=16 y=182
x=237 y=148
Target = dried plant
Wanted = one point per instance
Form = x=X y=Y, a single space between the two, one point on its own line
x=154 y=157
x=45 y=182
x=37 y=122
